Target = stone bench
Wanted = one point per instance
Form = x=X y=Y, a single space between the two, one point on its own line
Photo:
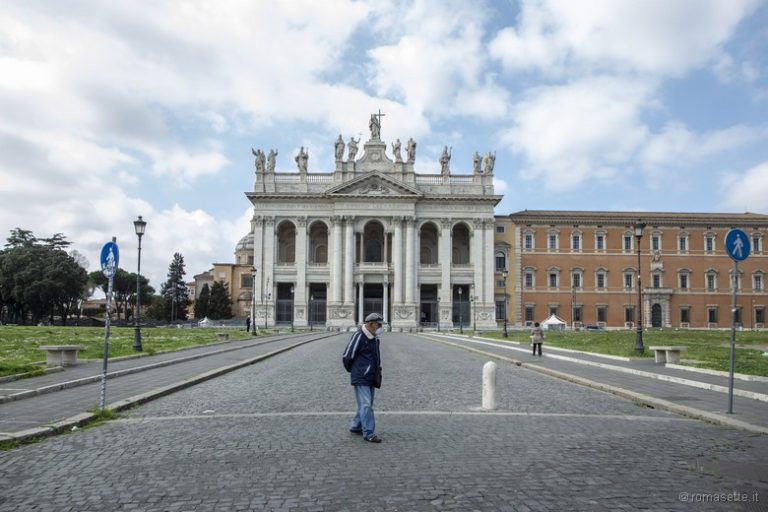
x=668 y=354
x=61 y=355
x=222 y=336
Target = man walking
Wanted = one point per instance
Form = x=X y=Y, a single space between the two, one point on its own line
x=362 y=360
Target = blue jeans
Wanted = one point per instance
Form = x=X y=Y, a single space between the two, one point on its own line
x=364 y=420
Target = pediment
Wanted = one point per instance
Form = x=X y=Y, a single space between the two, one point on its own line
x=373 y=184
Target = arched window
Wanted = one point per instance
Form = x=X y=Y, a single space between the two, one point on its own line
x=286 y=242
x=428 y=244
x=501 y=261
x=460 y=249
x=318 y=242
x=373 y=242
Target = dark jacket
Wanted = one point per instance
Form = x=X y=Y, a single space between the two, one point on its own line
x=361 y=358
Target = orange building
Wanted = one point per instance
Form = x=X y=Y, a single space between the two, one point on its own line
x=583 y=267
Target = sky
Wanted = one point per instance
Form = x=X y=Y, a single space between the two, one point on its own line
x=111 y=110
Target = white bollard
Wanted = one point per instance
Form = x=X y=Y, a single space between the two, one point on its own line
x=489 y=386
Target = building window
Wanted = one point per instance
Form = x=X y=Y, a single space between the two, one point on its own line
x=629 y=313
x=554 y=310
x=683 y=281
x=528 y=279
x=576 y=280
x=685 y=316
x=500 y=311
x=757 y=282
x=682 y=243
x=629 y=280
x=709 y=243
x=711 y=282
x=577 y=314
x=760 y=315
x=600 y=242
x=500 y=283
x=246 y=281
x=627 y=243
x=501 y=261
x=655 y=243
x=601 y=313
x=552 y=241
x=576 y=242
x=499 y=229
x=553 y=279
x=528 y=314
x=757 y=244
x=712 y=315
x=600 y=280
x=528 y=241
x=656 y=280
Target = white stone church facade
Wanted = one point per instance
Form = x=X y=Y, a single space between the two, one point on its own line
x=329 y=248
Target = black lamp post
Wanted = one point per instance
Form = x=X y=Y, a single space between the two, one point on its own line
x=254 y=329
x=293 y=297
x=505 y=333
x=639 y=335
x=461 y=313
x=140 y=225
x=438 y=314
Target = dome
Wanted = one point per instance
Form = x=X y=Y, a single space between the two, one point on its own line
x=245 y=243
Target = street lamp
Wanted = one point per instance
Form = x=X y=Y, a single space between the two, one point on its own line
x=461 y=313
x=254 y=329
x=474 y=312
x=504 y=274
x=292 y=307
x=140 y=226
x=639 y=335
x=438 y=314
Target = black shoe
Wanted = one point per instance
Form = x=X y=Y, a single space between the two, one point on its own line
x=372 y=438
x=355 y=431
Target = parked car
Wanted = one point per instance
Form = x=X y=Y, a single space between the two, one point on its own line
x=594 y=328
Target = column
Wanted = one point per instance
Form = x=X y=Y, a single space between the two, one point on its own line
x=490 y=264
x=360 y=302
x=386 y=301
x=349 y=260
x=258 y=259
x=397 y=260
x=445 y=262
x=477 y=256
x=335 y=295
x=300 y=289
x=269 y=266
x=410 y=268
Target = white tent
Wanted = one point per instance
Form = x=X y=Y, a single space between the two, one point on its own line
x=553 y=324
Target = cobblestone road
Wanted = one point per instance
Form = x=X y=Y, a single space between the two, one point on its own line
x=273 y=436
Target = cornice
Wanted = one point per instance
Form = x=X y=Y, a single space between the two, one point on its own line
x=650 y=219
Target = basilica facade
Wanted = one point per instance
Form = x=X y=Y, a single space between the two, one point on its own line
x=373 y=235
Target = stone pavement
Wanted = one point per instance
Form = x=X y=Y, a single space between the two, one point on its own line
x=273 y=436
x=62 y=399
x=694 y=394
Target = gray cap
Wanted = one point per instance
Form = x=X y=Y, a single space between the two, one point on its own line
x=374 y=317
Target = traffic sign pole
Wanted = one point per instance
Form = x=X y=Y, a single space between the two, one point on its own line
x=110 y=258
x=737 y=246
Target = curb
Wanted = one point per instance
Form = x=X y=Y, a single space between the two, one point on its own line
x=646 y=400
x=81 y=419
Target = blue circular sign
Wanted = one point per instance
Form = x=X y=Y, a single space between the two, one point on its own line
x=110 y=257
x=737 y=244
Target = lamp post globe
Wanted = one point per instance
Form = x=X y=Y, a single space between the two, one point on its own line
x=639 y=348
x=140 y=225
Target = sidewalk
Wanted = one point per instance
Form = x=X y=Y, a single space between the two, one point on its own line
x=690 y=393
x=58 y=401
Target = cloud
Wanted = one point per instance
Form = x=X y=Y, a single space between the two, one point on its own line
x=578 y=131
x=653 y=38
x=746 y=191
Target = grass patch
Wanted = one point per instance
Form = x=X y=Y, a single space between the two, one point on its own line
x=706 y=348
x=20 y=345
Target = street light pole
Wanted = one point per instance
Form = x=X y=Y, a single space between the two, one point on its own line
x=140 y=226
x=438 y=314
x=504 y=274
x=293 y=306
x=309 y=308
x=254 y=329
x=639 y=334
x=461 y=313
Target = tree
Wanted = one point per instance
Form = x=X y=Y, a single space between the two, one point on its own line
x=174 y=290
x=38 y=278
x=201 y=304
x=123 y=290
x=156 y=309
x=220 y=305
